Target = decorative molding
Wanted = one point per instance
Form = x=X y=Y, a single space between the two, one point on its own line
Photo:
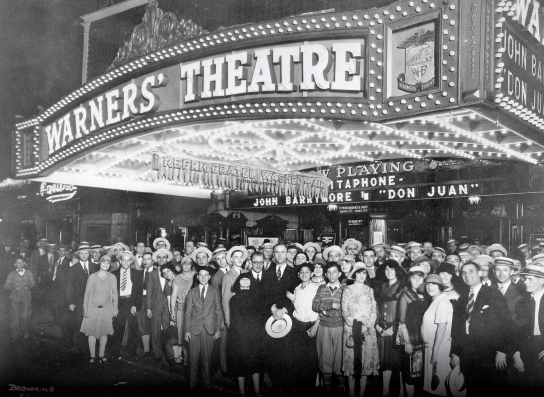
x=158 y=29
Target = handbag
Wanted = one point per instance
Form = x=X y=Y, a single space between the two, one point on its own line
x=435 y=381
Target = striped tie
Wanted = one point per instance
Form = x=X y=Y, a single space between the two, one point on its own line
x=470 y=305
x=279 y=274
x=124 y=281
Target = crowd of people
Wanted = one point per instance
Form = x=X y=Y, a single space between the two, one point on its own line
x=467 y=320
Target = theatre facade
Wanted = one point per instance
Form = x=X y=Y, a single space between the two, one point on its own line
x=412 y=120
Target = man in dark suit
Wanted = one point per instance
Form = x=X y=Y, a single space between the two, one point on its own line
x=40 y=251
x=75 y=292
x=144 y=322
x=503 y=269
x=54 y=282
x=203 y=319
x=156 y=303
x=481 y=336
x=130 y=292
x=219 y=359
x=279 y=279
x=46 y=262
x=529 y=322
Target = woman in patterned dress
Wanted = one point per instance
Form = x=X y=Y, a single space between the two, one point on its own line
x=359 y=306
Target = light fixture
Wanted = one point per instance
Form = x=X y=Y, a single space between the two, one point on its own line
x=474 y=199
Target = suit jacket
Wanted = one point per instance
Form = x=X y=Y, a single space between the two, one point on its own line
x=274 y=289
x=62 y=265
x=226 y=290
x=203 y=315
x=33 y=261
x=513 y=295
x=76 y=283
x=491 y=329
x=44 y=267
x=136 y=294
x=525 y=317
x=216 y=279
x=155 y=299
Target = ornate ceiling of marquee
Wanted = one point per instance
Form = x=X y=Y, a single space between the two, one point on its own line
x=296 y=145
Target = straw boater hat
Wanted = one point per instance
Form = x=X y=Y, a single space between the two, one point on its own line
x=480 y=259
x=455 y=383
x=314 y=245
x=96 y=248
x=198 y=251
x=410 y=244
x=475 y=248
x=452 y=241
x=523 y=246
x=385 y=246
x=237 y=248
x=300 y=247
x=120 y=246
x=83 y=247
x=219 y=251
x=397 y=249
x=535 y=268
x=502 y=261
x=162 y=251
x=335 y=248
x=496 y=247
x=464 y=246
x=201 y=244
x=267 y=245
x=414 y=247
x=352 y=241
x=465 y=256
x=425 y=258
x=159 y=239
x=42 y=243
x=126 y=253
x=438 y=250
x=279 y=328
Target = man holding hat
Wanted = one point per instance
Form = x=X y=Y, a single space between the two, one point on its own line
x=130 y=293
x=75 y=293
x=529 y=359
x=481 y=336
x=503 y=269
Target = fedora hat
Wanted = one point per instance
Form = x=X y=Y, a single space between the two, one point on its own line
x=455 y=383
x=496 y=247
x=314 y=245
x=535 y=268
x=198 y=251
x=162 y=251
x=279 y=328
x=333 y=248
x=126 y=253
x=502 y=261
x=475 y=248
x=397 y=249
x=158 y=240
x=240 y=248
x=383 y=245
x=352 y=241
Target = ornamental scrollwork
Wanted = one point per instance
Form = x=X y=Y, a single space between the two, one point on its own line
x=158 y=29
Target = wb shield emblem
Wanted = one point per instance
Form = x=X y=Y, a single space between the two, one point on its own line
x=419 y=61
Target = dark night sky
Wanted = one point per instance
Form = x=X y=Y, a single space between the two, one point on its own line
x=41 y=44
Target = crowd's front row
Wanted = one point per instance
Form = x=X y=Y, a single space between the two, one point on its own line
x=307 y=326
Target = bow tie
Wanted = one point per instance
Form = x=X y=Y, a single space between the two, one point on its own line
x=21 y=272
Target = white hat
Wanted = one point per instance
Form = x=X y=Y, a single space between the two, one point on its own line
x=455 y=383
x=198 y=251
x=162 y=251
x=237 y=248
x=314 y=245
x=351 y=241
x=496 y=247
x=83 y=247
x=125 y=253
x=335 y=248
x=502 y=261
x=397 y=249
x=120 y=246
x=279 y=328
x=159 y=239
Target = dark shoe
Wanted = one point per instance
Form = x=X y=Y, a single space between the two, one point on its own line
x=103 y=360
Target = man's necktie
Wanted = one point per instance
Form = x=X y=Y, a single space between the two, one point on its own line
x=203 y=292
x=502 y=289
x=532 y=306
x=279 y=274
x=333 y=289
x=258 y=277
x=86 y=270
x=470 y=305
x=124 y=281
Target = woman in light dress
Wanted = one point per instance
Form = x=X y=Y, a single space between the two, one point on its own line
x=436 y=333
x=359 y=306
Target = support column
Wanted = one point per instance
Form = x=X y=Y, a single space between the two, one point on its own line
x=86 y=26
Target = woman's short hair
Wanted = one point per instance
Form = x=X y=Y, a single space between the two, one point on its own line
x=446 y=268
x=394 y=265
x=360 y=270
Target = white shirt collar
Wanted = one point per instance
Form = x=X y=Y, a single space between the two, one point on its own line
x=24 y=270
x=337 y=284
x=476 y=289
x=257 y=275
x=505 y=285
x=538 y=295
